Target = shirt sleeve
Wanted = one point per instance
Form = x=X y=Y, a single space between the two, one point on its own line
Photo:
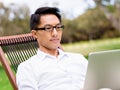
x=25 y=78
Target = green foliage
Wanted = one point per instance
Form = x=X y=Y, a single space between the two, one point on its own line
x=111 y=11
x=94 y=25
x=14 y=21
x=67 y=31
x=111 y=8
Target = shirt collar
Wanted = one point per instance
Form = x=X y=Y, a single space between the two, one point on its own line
x=42 y=55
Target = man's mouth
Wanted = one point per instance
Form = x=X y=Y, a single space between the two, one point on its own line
x=54 y=40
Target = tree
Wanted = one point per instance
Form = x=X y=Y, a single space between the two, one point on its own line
x=111 y=10
x=14 y=19
x=93 y=24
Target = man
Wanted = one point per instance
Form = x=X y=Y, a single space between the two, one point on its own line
x=51 y=68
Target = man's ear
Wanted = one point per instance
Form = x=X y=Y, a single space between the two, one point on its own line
x=34 y=33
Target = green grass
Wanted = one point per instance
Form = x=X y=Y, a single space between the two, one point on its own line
x=83 y=47
x=4 y=82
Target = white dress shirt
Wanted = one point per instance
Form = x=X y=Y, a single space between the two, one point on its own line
x=46 y=72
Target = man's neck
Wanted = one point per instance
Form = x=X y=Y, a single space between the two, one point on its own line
x=53 y=52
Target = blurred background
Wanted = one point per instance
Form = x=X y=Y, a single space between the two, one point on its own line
x=90 y=25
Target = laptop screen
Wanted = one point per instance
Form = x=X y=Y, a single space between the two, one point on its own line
x=103 y=71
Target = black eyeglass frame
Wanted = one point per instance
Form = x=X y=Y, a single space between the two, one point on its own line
x=44 y=28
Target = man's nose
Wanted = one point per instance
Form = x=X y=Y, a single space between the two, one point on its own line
x=54 y=32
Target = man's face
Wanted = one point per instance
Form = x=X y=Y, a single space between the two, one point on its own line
x=48 y=39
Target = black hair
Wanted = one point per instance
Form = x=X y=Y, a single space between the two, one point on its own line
x=35 y=18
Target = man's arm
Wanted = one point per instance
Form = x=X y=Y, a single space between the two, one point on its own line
x=25 y=78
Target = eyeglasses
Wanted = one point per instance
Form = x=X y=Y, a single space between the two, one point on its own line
x=49 y=28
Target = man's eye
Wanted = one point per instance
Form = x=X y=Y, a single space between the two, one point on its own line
x=48 y=27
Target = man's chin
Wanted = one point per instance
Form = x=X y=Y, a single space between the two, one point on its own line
x=53 y=48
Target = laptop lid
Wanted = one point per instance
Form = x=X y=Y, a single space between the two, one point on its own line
x=103 y=71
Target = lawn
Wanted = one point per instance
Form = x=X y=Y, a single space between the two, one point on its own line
x=4 y=82
x=83 y=47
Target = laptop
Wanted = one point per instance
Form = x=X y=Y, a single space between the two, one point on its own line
x=103 y=71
